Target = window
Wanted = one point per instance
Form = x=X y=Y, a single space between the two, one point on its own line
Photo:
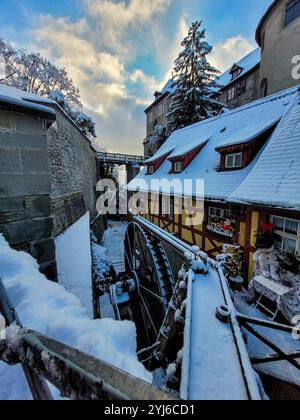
x=234 y=161
x=220 y=221
x=178 y=167
x=168 y=207
x=288 y=234
x=231 y=94
x=150 y=169
x=241 y=87
x=236 y=72
x=151 y=117
x=292 y=11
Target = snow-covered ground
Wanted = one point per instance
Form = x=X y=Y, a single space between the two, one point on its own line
x=74 y=263
x=48 y=308
x=110 y=252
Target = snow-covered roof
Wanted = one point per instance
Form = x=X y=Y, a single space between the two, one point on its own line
x=24 y=99
x=247 y=63
x=219 y=130
x=168 y=87
x=275 y=179
x=247 y=134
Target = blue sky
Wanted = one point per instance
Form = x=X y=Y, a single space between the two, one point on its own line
x=119 y=52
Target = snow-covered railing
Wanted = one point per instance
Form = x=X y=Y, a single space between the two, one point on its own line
x=37 y=385
x=75 y=374
x=172 y=240
x=122 y=159
x=239 y=351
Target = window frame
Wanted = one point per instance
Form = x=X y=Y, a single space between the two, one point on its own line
x=222 y=214
x=283 y=234
x=175 y=167
x=234 y=155
x=171 y=215
x=150 y=169
x=231 y=97
x=291 y=6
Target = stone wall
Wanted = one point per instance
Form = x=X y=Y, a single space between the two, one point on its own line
x=25 y=187
x=251 y=94
x=66 y=210
x=72 y=160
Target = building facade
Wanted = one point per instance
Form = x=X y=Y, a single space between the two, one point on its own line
x=157 y=121
x=278 y=35
x=240 y=84
x=26 y=219
x=243 y=159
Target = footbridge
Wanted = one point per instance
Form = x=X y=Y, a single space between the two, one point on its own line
x=133 y=163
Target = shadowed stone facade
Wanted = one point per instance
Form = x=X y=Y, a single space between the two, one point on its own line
x=48 y=177
x=25 y=185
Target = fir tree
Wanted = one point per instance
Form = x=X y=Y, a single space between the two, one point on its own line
x=194 y=82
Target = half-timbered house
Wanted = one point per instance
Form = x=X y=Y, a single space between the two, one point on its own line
x=249 y=161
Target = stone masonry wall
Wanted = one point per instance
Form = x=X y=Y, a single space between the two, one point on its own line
x=72 y=160
x=25 y=187
x=67 y=209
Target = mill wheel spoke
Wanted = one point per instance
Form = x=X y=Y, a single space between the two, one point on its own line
x=152 y=293
x=149 y=316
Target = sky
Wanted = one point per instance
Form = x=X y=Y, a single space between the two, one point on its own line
x=119 y=52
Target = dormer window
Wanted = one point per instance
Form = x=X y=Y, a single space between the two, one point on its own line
x=154 y=164
x=235 y=72
x=151 y=169
x=178 y=167
x=234 y=161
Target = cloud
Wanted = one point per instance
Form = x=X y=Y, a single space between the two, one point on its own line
x=114 y=19
x=168 y=54
x=228 y=51
x=102 y=52
x=95 y=54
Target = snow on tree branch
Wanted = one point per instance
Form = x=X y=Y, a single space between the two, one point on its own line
x=33 y=73
x=194 y=82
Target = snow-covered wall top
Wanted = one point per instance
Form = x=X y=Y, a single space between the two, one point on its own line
x=19 y=97
x=220 y=130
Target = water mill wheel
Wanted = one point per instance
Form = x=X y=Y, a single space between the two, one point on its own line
x=147 y=263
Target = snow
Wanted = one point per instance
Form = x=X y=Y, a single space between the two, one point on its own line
x=48 y=308
x=113 y=241
x=74 y=263
x=18 y=97
x=278 y=167
x=247 y=63
x=110 y=252
x=249 y=133
x=280 y=370
x=222 y=185
x=211 y=370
